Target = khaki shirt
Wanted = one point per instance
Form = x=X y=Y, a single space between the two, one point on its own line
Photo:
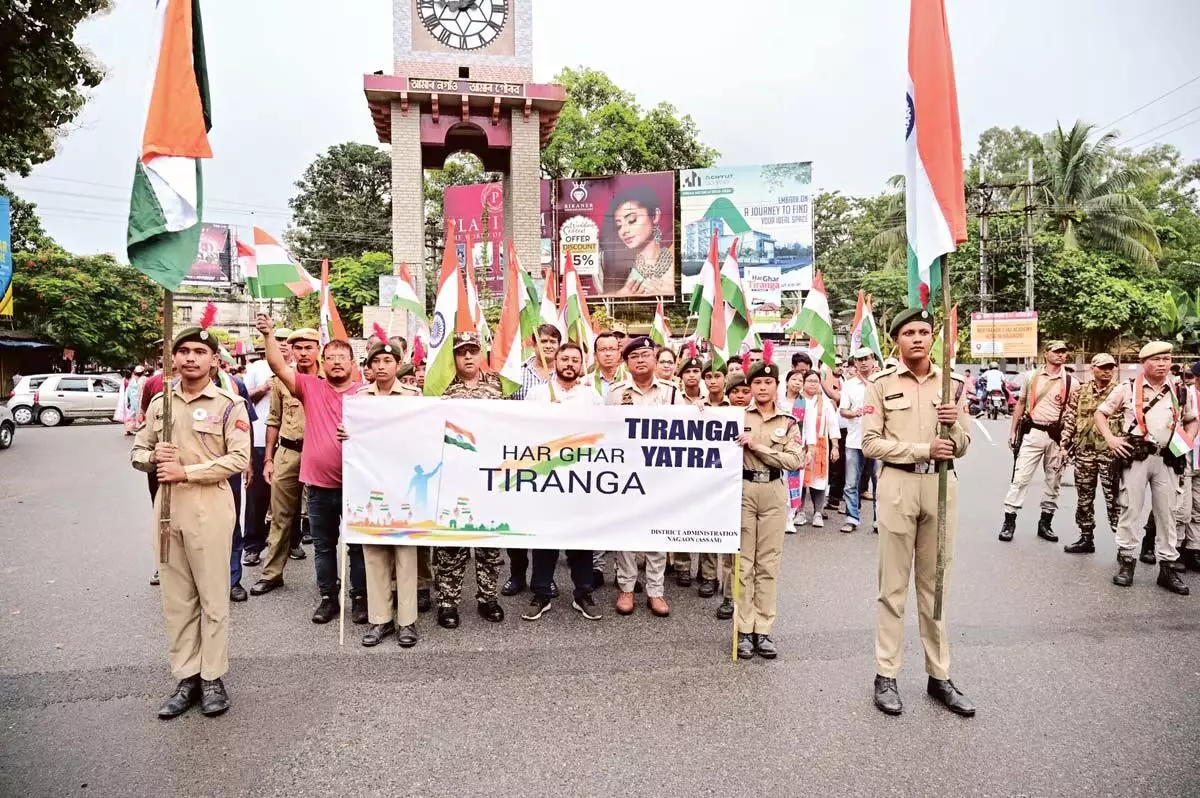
x=903 y=422
x=398 y=389
x=1160 y=421
x=660 y=392
x=287 y=412
x=488 y=388
x=210 y=429
x=1051 y=401
x=699 y=401
x=724 y=402
x=1079 y=422
x=777 y=435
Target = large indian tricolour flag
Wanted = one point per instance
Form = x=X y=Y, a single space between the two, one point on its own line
x=934 y=203
x=167 y=201
x=451 y=314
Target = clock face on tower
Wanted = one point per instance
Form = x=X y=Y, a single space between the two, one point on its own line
x=463 y=24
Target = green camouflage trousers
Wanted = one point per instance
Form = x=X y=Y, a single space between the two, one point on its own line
x=1090 y=465
x=450 y=568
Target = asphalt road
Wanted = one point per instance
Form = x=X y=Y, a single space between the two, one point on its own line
x=1082 y=688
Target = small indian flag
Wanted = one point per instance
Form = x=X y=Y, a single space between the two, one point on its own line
x=376 y=495
x=660 y=331
x=457 y=436
x=1180 y=443
x=406 y=294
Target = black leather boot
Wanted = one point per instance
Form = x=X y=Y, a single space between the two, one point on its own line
x=1085 y=545
x=1147 y=553
x=1127 y=564
x=1190 y=558
x=1009 y=527
x=1168 y=578
x=1045 y=529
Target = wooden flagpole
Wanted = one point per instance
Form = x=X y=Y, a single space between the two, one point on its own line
x=164 y=488
x=943 y=432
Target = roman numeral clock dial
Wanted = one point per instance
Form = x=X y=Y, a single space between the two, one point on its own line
x=463 y=24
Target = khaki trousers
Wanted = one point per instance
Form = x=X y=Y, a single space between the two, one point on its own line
x=285 y=503
x=383 y=563
x=656 y=571
x=194 y=582
x=908 y=531
x=725 y=568
x=1155 y=477
x=1036 y=449
x=1187 y=511
x=764 y=512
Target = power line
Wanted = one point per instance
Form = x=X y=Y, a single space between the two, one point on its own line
x=1152 y=102
x=1162 y=125
x=1169 y=132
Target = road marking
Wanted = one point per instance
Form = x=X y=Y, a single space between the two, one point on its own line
x=983 y=429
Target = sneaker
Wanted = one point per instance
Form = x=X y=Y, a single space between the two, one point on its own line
x=297 y=553
x=800 y=519
x=585 y=605
x=818 y=520
x=251 y=557
x=538 y=606
x=789 y=528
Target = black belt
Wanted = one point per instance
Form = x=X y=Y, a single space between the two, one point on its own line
x=1042 y=427
x=928 y=467
x=770 y=475
x=295 y=446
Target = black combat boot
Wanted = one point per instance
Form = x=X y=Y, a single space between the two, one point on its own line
x=1124 y=577
x=1009 y=528
x=1168 y=578
x=1147 y=554
x=1085 y=545
x=1190 y=558
x=1045 y=530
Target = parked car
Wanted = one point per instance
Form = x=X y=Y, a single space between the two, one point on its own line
x=63 y=398
x=8 y=428
x=20 y=399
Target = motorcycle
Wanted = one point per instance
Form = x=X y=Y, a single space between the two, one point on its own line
x=997 y=403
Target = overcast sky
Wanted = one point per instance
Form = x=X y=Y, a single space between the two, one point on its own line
x=781 y=80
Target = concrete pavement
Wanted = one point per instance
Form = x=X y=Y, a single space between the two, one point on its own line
x=1082 y=688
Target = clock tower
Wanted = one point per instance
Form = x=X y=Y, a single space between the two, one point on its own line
x=463 y=80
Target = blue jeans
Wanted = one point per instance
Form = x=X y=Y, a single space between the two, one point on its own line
x=235 y=554
x=855 y=465
x=258 y=501
x=325 y=523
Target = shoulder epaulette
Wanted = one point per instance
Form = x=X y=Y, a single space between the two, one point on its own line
x=886 y=370
x=230 y=395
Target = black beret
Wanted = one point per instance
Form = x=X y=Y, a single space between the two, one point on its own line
x=734 y=381
x=637 y=344
x=712 y=366
x=690 y=363
x=198 y=335
x=763 y=369
x=908 y=315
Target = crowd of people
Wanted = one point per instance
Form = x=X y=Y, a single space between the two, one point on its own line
x=813 y=438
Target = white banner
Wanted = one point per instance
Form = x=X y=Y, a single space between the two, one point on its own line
x=432 y=472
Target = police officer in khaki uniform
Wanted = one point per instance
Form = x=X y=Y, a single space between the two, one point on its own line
x=1037 y=428
x=1151 y=414
x=285 y=443
x=770 y=446
x=641 y=387
x=209 y=442
x=902 y=433
x=383 y=563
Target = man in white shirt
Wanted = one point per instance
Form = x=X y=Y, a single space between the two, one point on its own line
x=258 y=494
x=564 y=388
x=537 y=370
x=852 y=408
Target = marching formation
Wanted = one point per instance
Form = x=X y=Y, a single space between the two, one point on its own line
x=282 y=430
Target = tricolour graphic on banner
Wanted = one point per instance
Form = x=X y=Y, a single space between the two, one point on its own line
x=431 y=472
x=767 y=208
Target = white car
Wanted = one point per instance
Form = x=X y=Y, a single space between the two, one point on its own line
x=63 y=398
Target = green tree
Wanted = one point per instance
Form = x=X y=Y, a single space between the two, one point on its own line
x=1090 y=198
x=45 y=76
x=28 y=235
x=603 y=131
x=353 y=282
x=1004 y=156
x=108 y=313
x=343 y=204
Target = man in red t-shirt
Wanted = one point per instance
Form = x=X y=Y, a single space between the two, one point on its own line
x=321 y=466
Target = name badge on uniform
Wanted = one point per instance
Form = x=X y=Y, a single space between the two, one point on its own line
x=891 y=396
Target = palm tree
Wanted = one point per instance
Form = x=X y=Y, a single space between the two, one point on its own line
x=892 y=237
x=1090 y=200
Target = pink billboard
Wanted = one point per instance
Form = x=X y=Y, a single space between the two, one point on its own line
x=478 y=211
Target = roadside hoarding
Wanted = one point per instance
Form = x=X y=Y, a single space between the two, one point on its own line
x=768 y=208
x=1010 y=335
x=472 y=208
x=618 y=232
x=214 y=260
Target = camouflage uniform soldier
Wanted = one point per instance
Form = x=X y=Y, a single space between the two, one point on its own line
x=1093 y=459
x=450 y=563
